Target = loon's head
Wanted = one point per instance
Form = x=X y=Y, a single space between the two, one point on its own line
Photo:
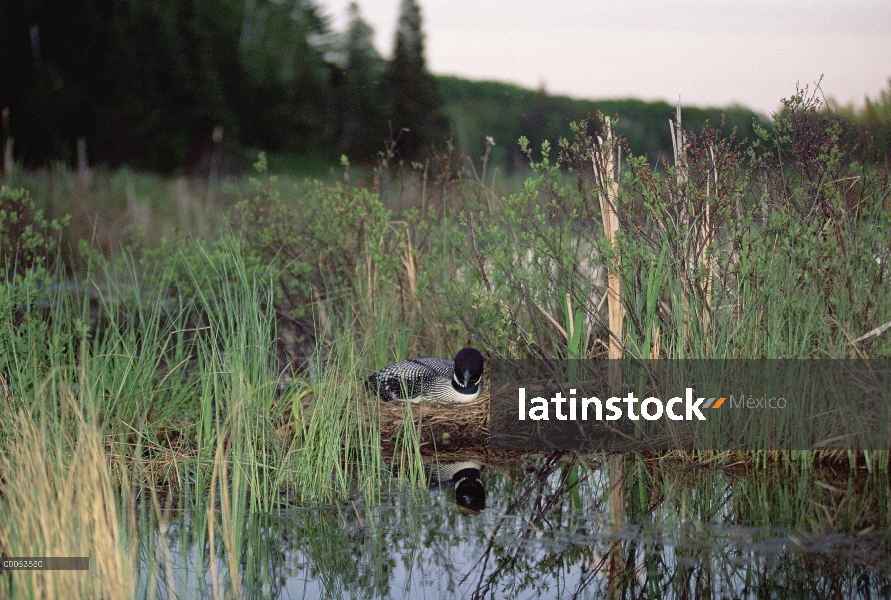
x=470 y=494
x=468 y=369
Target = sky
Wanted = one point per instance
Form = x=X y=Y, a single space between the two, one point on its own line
x=749 y=52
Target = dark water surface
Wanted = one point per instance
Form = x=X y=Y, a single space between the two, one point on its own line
x=569 y=527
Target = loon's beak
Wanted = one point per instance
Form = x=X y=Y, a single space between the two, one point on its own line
x=466 y=377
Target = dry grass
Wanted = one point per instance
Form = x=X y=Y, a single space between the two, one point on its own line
x=61 y=499
x=443 y=426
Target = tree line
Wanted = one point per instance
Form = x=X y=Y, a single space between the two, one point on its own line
x=146 y=84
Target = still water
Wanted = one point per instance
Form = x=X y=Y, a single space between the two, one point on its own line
x=563 y=526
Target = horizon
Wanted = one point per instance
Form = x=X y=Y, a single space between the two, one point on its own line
x=714 y=47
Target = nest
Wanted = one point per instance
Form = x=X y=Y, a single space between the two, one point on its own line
x=443 y=426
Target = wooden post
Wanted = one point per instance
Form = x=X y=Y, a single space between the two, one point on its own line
x=213 y=175
x=706 y=238
x=83 y=165
x=213 y=181
x=8 y=163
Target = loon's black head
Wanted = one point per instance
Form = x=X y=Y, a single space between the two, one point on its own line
x=470 y=494
x=468 y=368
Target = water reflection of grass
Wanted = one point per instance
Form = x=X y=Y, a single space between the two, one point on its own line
x=688 y=531
x=551 y=532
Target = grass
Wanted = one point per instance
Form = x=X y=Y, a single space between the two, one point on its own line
x=219 y=370
x=63 y=497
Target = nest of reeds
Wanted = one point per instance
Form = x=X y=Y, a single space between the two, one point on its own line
x=443 y=426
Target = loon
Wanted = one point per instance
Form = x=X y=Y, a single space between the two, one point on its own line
x=431 y=378
x=464 y=478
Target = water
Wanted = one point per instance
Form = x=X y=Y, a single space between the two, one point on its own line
x=562 y=528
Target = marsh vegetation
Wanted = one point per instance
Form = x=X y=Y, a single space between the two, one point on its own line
x=187 y=409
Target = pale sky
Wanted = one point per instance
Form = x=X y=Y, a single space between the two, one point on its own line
x=750 y=52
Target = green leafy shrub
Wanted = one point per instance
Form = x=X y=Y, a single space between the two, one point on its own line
x=28 y=240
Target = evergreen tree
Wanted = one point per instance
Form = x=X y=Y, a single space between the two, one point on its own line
x=285 y=96
x=146 y=82
x=361 y=111
x=416 y=103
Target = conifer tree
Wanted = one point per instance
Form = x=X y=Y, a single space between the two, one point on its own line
x=361 y=107
x=416 y=103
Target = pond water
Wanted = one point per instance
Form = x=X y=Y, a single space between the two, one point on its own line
x=563 y=527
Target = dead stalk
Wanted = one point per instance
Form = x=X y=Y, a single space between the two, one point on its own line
x=679 y=144
x=654 y=350
x=408 y=261
x=706 y=238
x=605 y=168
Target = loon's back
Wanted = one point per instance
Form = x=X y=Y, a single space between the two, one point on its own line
x=430 y=377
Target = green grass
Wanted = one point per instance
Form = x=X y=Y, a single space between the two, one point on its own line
x=224 y=368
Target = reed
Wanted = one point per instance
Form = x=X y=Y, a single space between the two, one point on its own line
x=62 y=496
x=240 y=357
x=223 y=377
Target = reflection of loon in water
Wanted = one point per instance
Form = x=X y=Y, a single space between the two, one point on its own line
x=464 y=478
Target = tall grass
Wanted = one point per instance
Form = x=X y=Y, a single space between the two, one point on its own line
x=340 y=432
x=224 y=375
x=178 y=361
x=65 y=494
x=123 y=399
x=778 y=253
x=774 y=252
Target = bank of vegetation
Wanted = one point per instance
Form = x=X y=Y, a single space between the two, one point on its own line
x=225 y=369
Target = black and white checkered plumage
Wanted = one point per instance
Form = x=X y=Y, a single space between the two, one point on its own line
x=430 y=378
x=464 y=478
